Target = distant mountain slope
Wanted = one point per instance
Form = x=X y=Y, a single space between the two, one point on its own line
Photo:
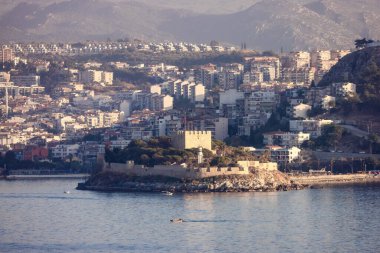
x=80 y=20
x=266 y=24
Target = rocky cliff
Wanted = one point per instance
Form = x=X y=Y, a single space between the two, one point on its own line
x=256 y=181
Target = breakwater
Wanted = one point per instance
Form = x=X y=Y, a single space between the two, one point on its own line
x=334 y=179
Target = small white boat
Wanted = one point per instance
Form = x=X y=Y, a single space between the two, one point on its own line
x=168 y=193
x=177 y=220
x=66 y=192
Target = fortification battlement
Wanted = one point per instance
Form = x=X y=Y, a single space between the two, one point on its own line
x=221 y=169
x=191 y=132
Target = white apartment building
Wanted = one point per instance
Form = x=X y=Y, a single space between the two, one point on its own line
x=194 y=92
x=300 y=59
x=64 y=151
x=345 y=89
x=301 y=111
x=286 y=139
x=328 y=102
x=96 y=76
x=279 y=154
x=101 y=119
x=119 y=144
x=155 y=89
x=229 y=79
x=197 y=93
x=29 y=80
x=312 y=126
x=285 y=155
x=161 y=102
x=107 y=77
x=229 y=97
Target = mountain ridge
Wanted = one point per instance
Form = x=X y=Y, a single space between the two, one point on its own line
x=264 y=25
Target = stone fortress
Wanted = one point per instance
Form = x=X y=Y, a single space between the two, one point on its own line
x=192 y=139
x=187 y=140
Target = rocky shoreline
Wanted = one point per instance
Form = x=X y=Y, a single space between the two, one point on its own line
x=257 y=181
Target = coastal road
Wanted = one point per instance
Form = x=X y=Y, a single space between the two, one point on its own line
x=327 y=156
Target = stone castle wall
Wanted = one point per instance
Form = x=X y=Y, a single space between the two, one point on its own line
x=180 y=171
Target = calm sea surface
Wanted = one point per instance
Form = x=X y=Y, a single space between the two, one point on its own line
x=36 y=216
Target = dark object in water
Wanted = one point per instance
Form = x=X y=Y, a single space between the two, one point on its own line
x=178 y=220
x=316 y=187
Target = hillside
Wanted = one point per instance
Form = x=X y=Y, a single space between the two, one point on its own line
x=360 y=67
x=269 y=24
x=262 y=24
x=80 y=20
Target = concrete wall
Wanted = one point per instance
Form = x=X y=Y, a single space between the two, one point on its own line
x=221 y=171
x=257 y=165
x=332 y=179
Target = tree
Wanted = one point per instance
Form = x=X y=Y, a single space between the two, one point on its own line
x=9 y=161
x=220 y=161
x=373 y=139
x=265 y=156
x=362 y=43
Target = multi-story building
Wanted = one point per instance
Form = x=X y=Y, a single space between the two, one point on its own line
x=217 y=126
x=281 y=155
x=343 y=89
x=161 y=102
x=229 y=79
x=96 y=76
x=311 y=126
x=107 y=77
x=268 y=72
x=197 y=93
x=6 y=54
x=328 y=102
x=254 y=63
x=319 y=56
x=34 y=153
x=298 y=76
x=5 y=77
x=300 y=59
x=300 y=111
x=29 y=80
x=190 y=90
x=20 y=90
x=64 y=151
x=286 y=139
x=338 y=54
x=206 y=75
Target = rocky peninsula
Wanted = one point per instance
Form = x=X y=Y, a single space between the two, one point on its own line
x=256 y=181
